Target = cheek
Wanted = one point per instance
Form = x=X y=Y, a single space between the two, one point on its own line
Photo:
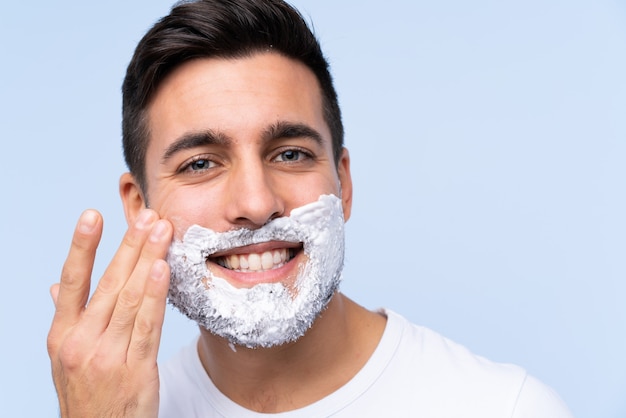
x=184 y=208
x=299 y=193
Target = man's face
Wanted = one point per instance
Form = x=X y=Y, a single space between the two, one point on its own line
x=235 y=143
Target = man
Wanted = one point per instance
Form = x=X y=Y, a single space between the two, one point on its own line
x=238 y=189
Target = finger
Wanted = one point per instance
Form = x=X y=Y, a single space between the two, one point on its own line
x=131 y=296
x=73 y=290
x=146 y=336
x=98 y=313
x=54 y=293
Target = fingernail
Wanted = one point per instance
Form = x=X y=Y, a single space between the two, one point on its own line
x=158 y=269
x=144 y=219
x=87 y=221
x=159 y=231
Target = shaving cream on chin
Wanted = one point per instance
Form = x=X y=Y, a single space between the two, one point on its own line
x=266 y=314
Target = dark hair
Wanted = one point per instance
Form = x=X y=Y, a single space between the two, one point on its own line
x=217 y=29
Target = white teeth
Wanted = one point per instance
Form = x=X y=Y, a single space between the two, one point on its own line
x=243 y=263
x=256 y=262
x=234 y=262
x=267 y=260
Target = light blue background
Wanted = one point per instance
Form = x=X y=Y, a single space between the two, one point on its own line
x=488 y=141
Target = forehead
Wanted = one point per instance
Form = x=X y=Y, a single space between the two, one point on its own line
x=235 y=96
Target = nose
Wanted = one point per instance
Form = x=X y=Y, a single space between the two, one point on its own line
x=254 y=196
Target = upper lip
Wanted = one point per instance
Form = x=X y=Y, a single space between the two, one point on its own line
x=257 y=248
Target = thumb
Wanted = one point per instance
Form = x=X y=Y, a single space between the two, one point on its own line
x=54 y=292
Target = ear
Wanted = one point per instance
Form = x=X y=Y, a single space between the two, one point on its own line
x=132 y=197
x=345 y=179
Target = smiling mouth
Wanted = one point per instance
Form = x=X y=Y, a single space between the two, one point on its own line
x=256 y=262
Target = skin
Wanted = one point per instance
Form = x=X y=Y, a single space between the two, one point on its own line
x=235 y=143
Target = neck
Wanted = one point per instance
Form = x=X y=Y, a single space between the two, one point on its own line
x=294 y=375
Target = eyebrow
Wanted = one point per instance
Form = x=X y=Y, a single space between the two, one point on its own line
x=286 y=130
x=195 y=140
x=278 y=130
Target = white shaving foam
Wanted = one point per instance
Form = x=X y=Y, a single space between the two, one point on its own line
x=267 y=314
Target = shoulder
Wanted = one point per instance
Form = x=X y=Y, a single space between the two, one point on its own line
x=438 y=368
x=435 y=355
x=537 y=400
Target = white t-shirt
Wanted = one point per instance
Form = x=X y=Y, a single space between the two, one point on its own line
x=414 y=372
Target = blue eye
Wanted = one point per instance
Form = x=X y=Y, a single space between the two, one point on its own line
x=290 y=155
x=200 y=164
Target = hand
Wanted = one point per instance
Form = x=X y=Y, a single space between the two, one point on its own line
x=104 y=353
